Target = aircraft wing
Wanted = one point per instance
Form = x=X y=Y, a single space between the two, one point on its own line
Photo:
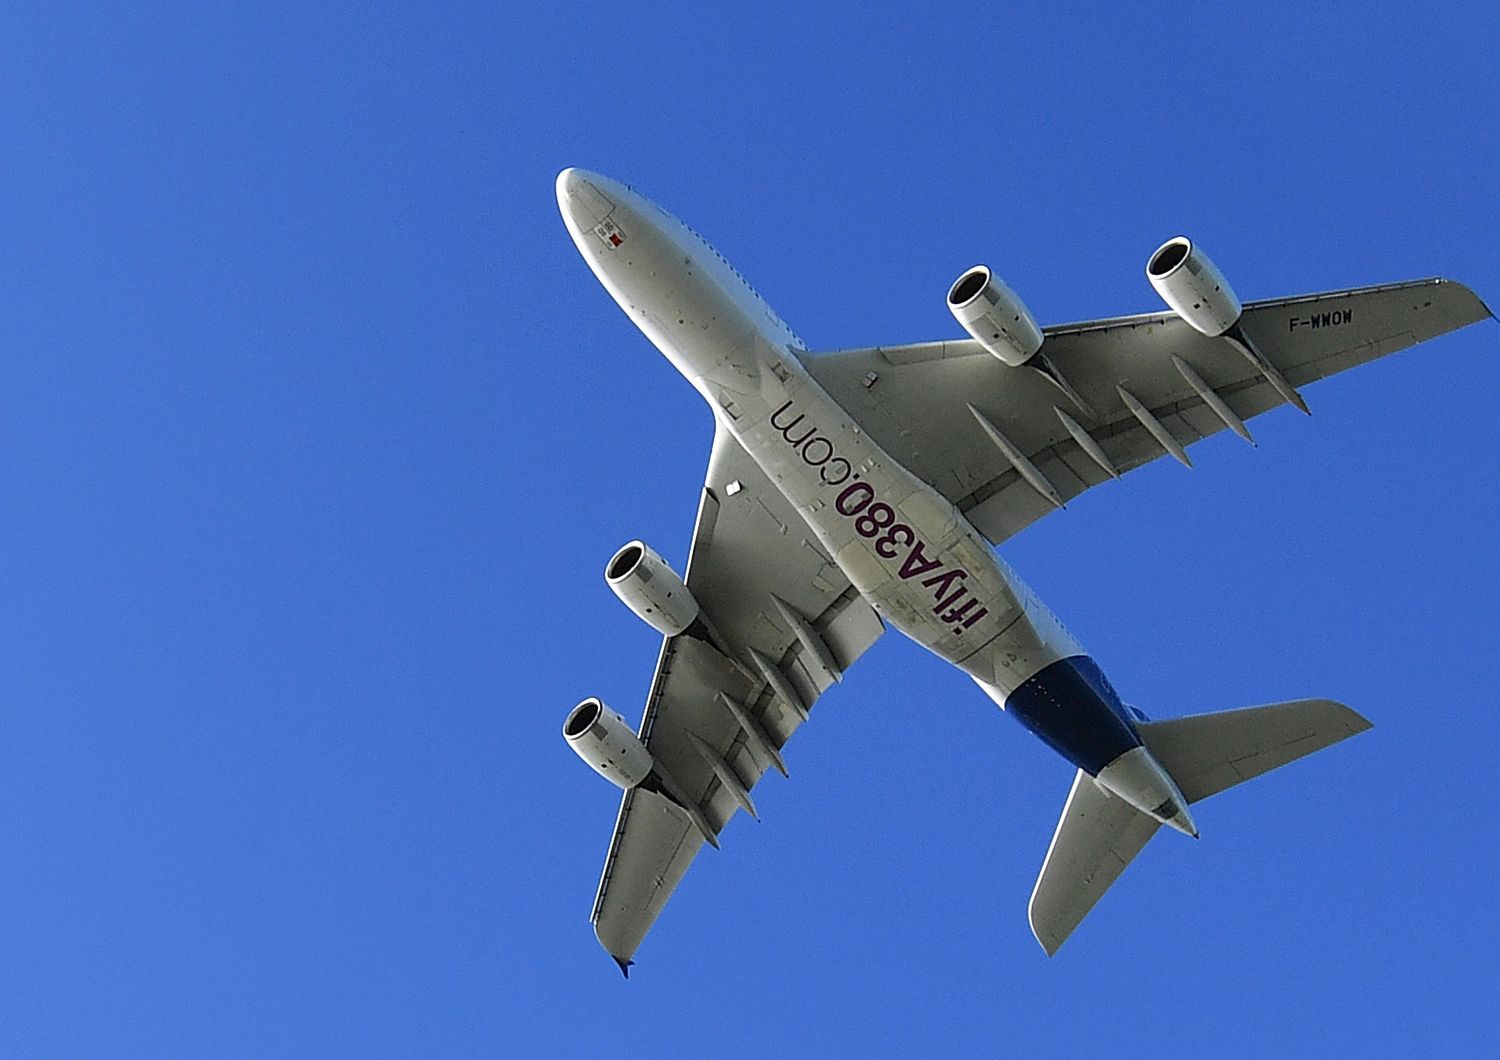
x=912 y=399
x=767 y=589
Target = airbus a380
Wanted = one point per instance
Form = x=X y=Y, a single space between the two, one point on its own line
x=851 y=490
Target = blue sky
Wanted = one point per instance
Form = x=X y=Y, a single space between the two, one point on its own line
x=316 y=433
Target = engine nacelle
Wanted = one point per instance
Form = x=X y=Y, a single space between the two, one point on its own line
x=1193 y=286
x=992 y=314
x=651 y=589
x=610 y=746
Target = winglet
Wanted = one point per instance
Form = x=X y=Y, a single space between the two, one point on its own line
x=624 y=965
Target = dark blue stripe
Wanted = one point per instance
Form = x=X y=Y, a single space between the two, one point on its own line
x=1072 y=707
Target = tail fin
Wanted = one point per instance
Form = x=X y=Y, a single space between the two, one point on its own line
x=1098 y=834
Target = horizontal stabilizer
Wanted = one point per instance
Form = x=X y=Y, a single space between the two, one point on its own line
x=1097 y=836
x=1210 y=752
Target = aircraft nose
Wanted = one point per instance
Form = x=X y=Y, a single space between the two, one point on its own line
x=566 y=181
x=579 y=198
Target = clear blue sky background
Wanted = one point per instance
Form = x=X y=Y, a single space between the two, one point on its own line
x=315 y=435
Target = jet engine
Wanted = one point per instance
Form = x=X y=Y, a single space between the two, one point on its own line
x=603 y=740
x=651 y=589
x=1193 y=287
x=991 y=313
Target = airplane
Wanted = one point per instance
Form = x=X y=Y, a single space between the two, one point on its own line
x=857 y=489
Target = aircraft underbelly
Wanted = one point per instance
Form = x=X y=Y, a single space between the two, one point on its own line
x=905 y=547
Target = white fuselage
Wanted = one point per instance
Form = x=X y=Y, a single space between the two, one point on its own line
x=904 y=546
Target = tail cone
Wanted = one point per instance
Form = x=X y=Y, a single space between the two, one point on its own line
x=1140 y=780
